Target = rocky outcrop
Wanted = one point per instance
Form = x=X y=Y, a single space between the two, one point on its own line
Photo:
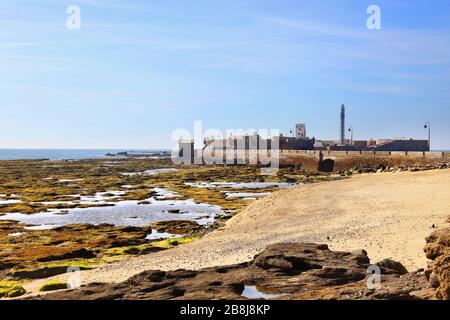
x=297 y=271
x=389 y=167
x=438 y=272
x=389 y=266
x=177 y=226
x=44 y=253
x=80 y=253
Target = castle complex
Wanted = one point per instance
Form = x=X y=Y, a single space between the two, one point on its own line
x=391 y=144
x=300 y=141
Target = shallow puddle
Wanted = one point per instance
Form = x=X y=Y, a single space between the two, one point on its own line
x=123 y=213
x=240 y=185
x=149 y=172
x=16 y=234
x=155 y=235
x=252 y=292
x=40 y=227
x=99 y=198
x=246 y=195
x=164 y=194
x=9 y=201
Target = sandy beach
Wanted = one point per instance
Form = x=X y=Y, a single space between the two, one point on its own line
x=387 y=214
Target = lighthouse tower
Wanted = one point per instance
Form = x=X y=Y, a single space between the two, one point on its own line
x=342 y=125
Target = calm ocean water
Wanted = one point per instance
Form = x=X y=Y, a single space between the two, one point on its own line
x=60 y=154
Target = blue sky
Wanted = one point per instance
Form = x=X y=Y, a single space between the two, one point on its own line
x=137 y=70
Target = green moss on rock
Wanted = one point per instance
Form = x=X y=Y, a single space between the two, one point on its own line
x=132 y=250
x=169 y=243
x=53 y=285
x=10 y=289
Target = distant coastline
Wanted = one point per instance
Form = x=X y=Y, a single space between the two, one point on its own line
x=78 y=154
x=66 y=154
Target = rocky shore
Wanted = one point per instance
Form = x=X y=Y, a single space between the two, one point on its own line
x=43 y=231
x=343 y=213
x=438 y=272
x=287 y=271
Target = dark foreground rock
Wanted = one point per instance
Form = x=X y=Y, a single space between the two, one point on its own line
x=438 y=272
x=299 y=271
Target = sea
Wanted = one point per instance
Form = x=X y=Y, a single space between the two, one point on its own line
x=65 y=154
x=72 y=154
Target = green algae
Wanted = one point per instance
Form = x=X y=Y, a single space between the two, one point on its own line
x=150 y=247
x=53 y=285
x=34 y=182
x=11 y=289
x=131 y=250
x=170 y=243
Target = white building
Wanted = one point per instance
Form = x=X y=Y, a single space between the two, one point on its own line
x=300 y=131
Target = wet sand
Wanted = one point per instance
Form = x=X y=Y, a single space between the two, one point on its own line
x=388 y=214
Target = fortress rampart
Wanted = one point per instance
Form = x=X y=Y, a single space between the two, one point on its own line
x=329 y=161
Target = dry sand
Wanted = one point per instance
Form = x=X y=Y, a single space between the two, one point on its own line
x=388 y=214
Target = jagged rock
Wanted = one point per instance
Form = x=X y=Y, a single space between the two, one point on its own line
x=389 y=266
x=438 y=250
x=367 y=170
x=412 y=286
x=33 y=250
x=300 y=271
x=438 y=243
x=81 y=253
x=45 y=272
x=177 y=226
x=126 y=243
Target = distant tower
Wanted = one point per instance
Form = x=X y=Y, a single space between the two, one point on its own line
x=343 y=125
x=300 y=131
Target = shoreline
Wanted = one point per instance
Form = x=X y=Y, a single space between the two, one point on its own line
x=53 y=217
x=387 y=214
